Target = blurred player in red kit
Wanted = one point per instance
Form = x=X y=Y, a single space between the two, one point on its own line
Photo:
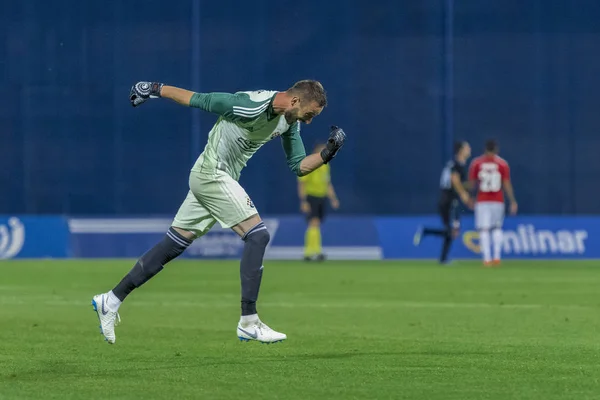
x=490 y=174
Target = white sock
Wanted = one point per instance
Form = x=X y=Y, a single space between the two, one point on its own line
x=248 y=319
x=485 y=245
x=497 y=236
x=112 y=302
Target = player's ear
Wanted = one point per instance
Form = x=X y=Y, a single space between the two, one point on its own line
x=295 y=101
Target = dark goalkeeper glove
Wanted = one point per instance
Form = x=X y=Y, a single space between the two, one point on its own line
x=334 y=144
x=142 y=91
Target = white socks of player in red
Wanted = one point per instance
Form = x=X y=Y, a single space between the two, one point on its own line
x=485 y=245
x=497 y=238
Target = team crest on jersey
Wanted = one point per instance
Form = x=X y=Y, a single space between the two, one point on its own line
x=249 y=202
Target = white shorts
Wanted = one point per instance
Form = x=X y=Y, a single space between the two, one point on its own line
x=213 y=197
x=489 y=215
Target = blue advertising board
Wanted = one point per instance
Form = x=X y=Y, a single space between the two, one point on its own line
x=33 y=237
x=349 y=238
x=524 y=237
x=344 y=238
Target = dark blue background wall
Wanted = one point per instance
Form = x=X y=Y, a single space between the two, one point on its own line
x=404 y=79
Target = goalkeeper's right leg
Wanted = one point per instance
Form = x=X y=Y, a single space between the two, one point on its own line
x=151 y=263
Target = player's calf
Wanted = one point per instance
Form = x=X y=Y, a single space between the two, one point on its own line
x=498 y=241
x=151 y=263
x=313 y=250
x=485 y=246
x=448 y=238
x=256 y=240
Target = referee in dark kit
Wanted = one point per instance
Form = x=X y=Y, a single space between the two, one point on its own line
x=452 y=185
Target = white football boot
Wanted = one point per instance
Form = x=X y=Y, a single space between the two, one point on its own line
x=108 y=319
x=418 y=236
x=260 y=332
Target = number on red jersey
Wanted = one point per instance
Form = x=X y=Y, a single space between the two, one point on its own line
x=490 y=178
x=489 y=172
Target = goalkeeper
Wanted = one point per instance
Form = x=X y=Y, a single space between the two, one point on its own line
x=247 y=120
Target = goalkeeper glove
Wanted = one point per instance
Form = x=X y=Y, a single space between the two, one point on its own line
x=142 y=91
x=334 y=144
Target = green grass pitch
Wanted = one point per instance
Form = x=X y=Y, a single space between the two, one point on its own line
x=356 y=330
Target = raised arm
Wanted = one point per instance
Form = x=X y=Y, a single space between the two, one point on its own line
x=241 y=104
x=229 y=104
x=295 y=153
x=181 y=96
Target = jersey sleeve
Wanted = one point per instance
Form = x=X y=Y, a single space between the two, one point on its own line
x=293 y=147
x=230 y=105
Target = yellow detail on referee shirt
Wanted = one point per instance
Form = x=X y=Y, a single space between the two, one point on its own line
x=317 y=182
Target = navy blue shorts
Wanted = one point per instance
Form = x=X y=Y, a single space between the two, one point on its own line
x=450 y=213
x=318 y=207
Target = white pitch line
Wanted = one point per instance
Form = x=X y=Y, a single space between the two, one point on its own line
x=16 y=301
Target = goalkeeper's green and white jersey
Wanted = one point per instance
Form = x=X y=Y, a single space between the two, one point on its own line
x=246 y=123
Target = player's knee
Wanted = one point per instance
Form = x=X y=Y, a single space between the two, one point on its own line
x=263 y=237
x=258 y=237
